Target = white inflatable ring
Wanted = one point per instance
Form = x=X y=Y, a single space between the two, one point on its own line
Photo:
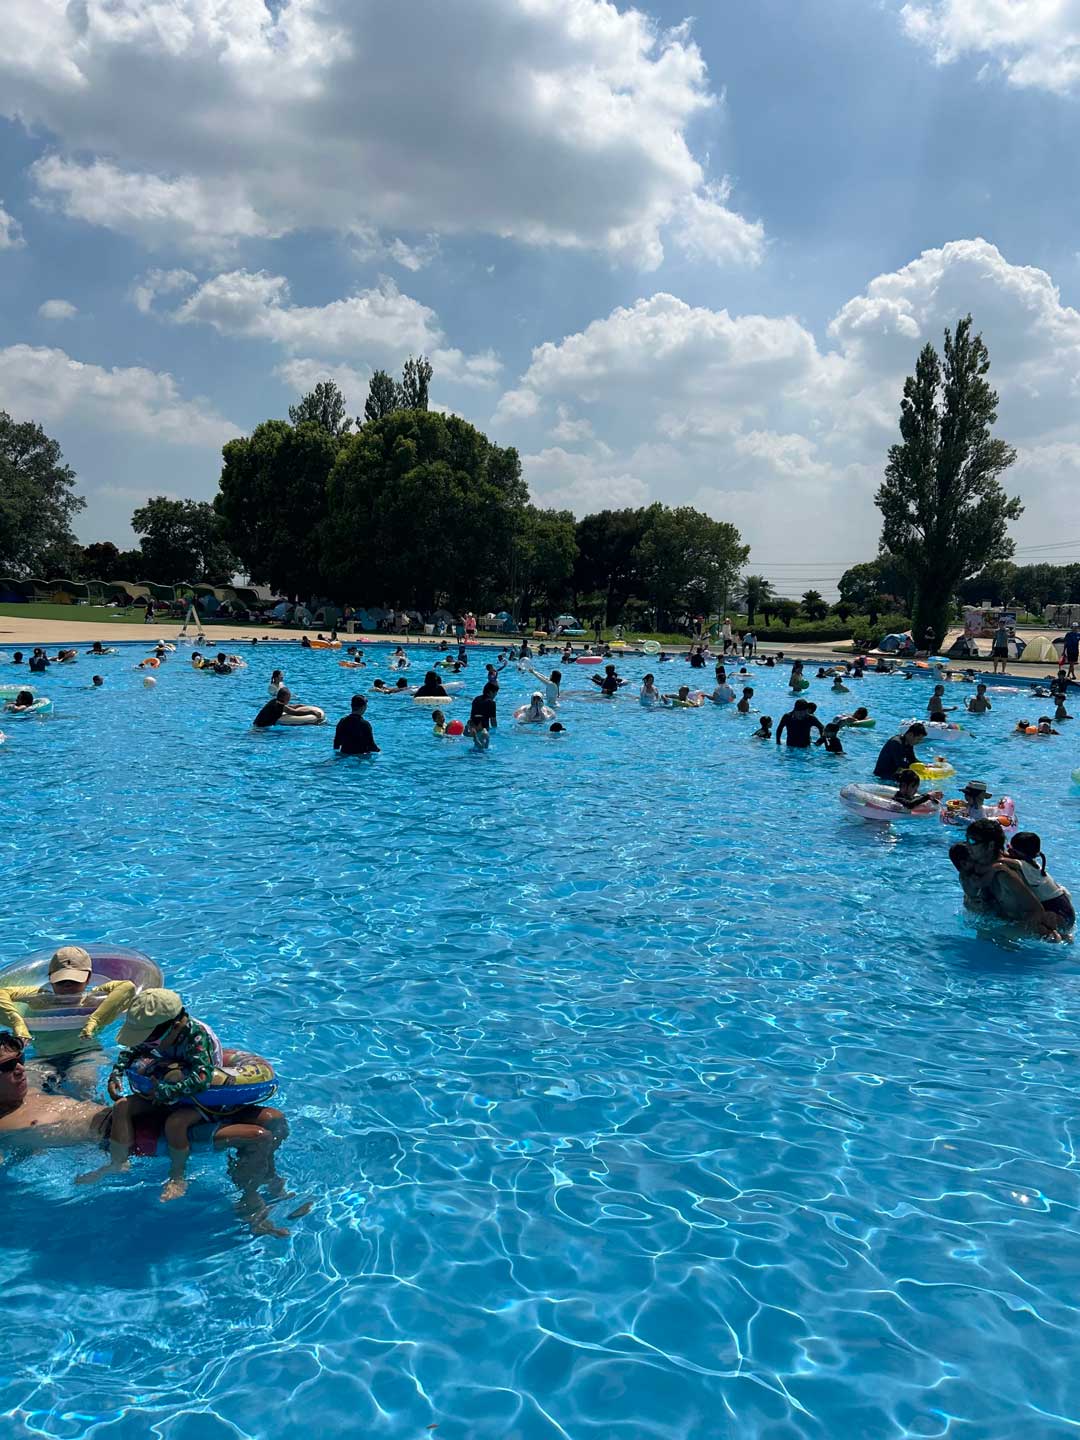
x=875 y=802
x=318 y=717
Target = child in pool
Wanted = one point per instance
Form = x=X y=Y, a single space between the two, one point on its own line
x=907 y=793
x=764 y=730
x=743 y=707
x=830 y=739
x=184 y=1054
x=1025 y=853
x=438 y=722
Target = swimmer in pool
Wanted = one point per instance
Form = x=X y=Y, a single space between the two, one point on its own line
x=535 y=713
x=23 y=701
x=185 y=1054
x=610 y=683
x=990 y=885
x=65 y=1060
x=764 y=730
x=552 y=684
x=743 y=707
x=33 y=1121
x=978 y=703
x=907 y=791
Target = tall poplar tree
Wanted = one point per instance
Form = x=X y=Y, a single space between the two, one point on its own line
x=944 y=511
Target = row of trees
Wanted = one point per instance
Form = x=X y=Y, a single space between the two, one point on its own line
x=421 y=509
x=418 y=508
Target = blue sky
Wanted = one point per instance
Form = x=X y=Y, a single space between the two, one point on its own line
x=668 y=259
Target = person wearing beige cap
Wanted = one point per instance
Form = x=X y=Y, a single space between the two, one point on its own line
x=64 y=1019
x=184 y=1053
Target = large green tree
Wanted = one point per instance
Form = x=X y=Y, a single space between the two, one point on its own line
x=325 y=406
x=100 y=561
x=814 y=605
x=944 y=510
x=383 y=397
x=272 y=501
x=415 y=380
x=688 y=561
x=422 y=509
x=542 y=561
x=37 y=498
x=874 y=585
x=182 y=540
x=606 y=565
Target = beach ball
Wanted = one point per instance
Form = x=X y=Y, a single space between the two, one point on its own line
x=456 y=727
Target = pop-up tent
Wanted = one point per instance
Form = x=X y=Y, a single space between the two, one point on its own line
x=1040 y=651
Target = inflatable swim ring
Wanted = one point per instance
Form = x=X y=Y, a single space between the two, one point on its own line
x=150 y=663
x=875 y=802
x=937 y=730
x=39 y=707
x=938 y=770
x=956 y=812
x=692 y=701
x=325 y=644
x=651 y=647
x=351 y=664
x=867 y=724
x=433 y=699
x=317 y=718
x=798 y=685
x=110 y=962
x=241 y=1079
x=588 y=659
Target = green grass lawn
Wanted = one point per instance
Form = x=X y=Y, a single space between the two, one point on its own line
x=94 y=614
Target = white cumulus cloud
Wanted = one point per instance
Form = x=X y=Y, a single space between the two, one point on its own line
x=756 y=420
x=1036 y=43
x=11 y=236
x=379 y=326
x=201 y=123
x=49 y=385
x=57 y=310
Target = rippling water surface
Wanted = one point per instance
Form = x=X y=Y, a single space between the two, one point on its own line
x=640 y=1092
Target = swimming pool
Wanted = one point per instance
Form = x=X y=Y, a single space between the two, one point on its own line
x=641 y=1092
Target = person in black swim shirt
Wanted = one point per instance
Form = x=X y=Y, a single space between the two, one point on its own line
x=797 y=725
x=432 y=687
x=907 y=793
x=898 y=753
x=280 y=705
x=609 y=682
x=482 y=715
x=353 y=735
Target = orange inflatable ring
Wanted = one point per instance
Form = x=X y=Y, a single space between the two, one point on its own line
x=325 y=644
x=349 y=664
x=151 y=662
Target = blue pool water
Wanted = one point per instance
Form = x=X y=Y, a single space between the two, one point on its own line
x=639 y=1091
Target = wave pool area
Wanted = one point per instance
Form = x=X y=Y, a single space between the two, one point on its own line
x=638 y=1090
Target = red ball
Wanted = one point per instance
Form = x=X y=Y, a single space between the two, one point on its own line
x=456 y=727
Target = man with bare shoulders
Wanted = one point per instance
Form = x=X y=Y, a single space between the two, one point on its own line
x=31 y=1120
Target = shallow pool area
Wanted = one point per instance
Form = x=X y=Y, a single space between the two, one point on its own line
x=639 y=1091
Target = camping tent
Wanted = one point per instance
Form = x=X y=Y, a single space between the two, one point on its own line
x=1040 y=651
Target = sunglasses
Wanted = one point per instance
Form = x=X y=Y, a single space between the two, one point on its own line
x=7 y=1066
